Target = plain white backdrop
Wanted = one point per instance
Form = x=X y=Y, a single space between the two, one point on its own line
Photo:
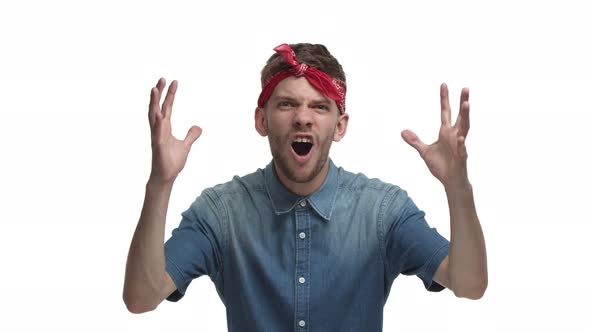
x=75 y=145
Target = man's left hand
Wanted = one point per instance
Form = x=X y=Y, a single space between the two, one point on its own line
x=447 y=157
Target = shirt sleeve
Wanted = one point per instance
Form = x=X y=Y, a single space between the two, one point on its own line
x=195 y=247
x=412 y=247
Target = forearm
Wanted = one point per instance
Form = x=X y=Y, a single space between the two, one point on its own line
x=145 y=271
x=468 y=274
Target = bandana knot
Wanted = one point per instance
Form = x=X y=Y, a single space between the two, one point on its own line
x=300 y=69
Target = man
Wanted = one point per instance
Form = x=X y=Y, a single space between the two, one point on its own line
x=303 y=245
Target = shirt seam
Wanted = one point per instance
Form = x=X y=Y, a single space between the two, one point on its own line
x=216 y=199
x=355 y=188
x=380 y=228
x=177 y=273
x=430 y=269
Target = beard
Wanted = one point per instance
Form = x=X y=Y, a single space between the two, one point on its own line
x=280 y=150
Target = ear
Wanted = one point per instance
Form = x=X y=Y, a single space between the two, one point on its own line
x=341 y=127
x=260 y=121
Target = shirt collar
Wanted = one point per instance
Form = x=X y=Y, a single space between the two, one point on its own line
x=283 y=200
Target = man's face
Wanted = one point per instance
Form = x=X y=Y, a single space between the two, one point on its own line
x=301 y=124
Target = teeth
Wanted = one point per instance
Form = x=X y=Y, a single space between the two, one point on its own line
x=303 y=140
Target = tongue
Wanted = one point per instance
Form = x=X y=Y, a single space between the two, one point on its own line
x=301 y=149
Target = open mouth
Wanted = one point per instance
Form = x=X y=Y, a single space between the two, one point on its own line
x=302 y=146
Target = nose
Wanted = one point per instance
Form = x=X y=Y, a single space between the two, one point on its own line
x=303 y=117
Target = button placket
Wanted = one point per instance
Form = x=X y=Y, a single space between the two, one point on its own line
x=302 y=266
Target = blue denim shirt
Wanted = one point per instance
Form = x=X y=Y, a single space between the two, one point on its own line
x=325 y=262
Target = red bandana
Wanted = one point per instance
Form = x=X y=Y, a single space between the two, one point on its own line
x=330 y=87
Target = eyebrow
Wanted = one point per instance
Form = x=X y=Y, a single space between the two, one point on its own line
x=284 y=97
x=320 y=100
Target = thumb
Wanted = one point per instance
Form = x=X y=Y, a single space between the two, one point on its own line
x=413 y=140
x=192 y=135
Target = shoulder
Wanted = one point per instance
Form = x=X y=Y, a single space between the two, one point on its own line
x=239 y=185
x=360 y=184
x=383 y=198
x=217 y=202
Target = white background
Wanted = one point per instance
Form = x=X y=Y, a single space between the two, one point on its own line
x=75 y=151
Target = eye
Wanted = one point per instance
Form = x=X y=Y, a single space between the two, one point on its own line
x=285 y=104
x=322 y=107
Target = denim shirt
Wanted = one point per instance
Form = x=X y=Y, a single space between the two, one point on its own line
x=324 y=262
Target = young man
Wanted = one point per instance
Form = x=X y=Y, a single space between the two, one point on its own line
x=303 y=245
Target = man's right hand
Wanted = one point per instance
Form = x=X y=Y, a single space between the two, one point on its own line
x=147 y=283
x=168 y=153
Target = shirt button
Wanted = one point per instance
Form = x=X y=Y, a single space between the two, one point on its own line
x=303 y=203
x=301 y=280
x=302 y=235
x=301 y=323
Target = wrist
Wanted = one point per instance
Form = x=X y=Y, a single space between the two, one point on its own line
x=159 y=183
x=458 y=188
x=458 y=181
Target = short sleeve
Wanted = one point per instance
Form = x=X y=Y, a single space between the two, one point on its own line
x=412 y=246
x=195 y=247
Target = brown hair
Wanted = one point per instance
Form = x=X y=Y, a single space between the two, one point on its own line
x=314 y=55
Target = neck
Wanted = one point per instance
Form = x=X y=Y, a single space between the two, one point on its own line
x=304 y=188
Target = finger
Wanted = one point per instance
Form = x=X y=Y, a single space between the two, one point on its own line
x=445 y=107
x=160 y=85
x=155 y=95
x=159 y=88
x=192 y=135
x=169 y=100
x=153 y=108
x=464 y=96
x=413 y=140
x=462 y=148
x=463 y=121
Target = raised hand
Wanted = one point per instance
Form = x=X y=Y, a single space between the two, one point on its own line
x=447 y=157
x=168 y=153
